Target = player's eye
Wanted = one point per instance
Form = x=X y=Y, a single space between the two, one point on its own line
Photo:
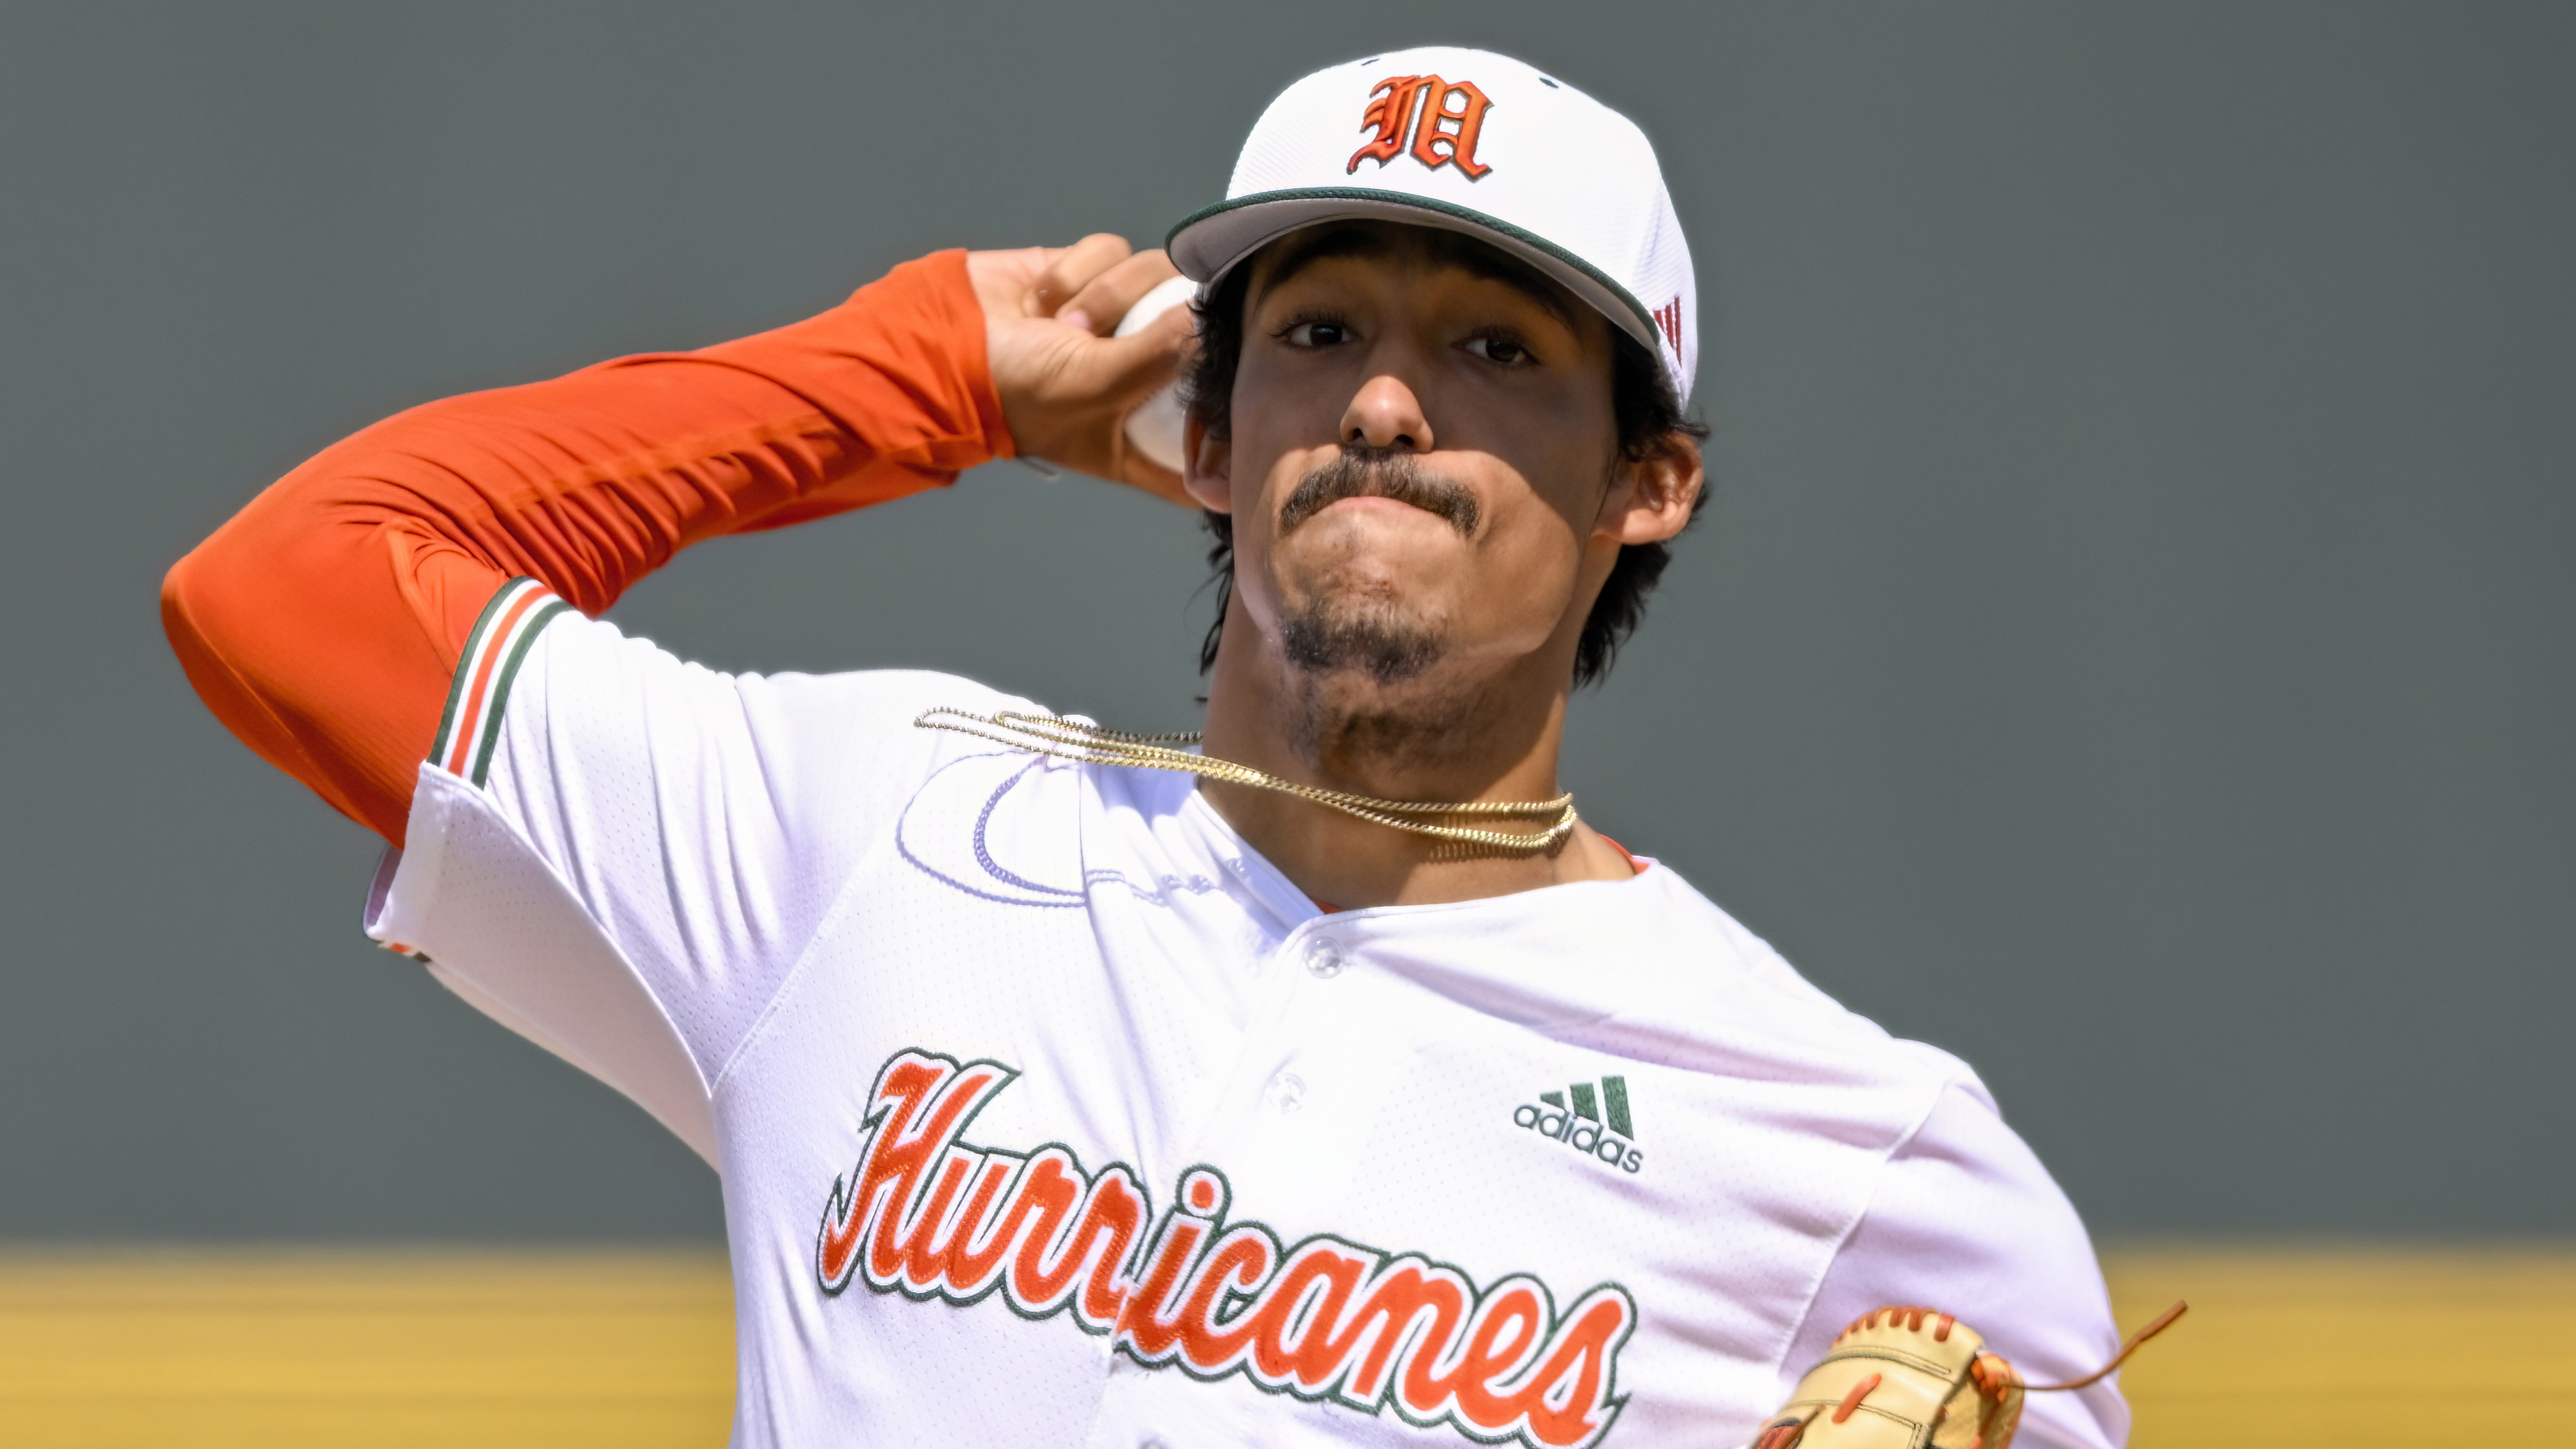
x=1499 y=348
x=1315 y=332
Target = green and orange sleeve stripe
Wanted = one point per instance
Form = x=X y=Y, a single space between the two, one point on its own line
x=471 y=727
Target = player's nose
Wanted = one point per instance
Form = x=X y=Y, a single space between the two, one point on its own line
x=1386 y=413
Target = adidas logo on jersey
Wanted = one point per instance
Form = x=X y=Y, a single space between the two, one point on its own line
x=1596 y=1124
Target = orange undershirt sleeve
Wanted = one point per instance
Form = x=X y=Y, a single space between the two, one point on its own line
x=321 y=623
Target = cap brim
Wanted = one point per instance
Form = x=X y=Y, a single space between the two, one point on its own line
x=1208 y=243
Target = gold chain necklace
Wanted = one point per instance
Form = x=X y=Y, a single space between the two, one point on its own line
x=1089 y=744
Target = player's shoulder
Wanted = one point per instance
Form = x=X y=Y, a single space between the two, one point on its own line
x=868 y=723
x=590 y=689
x=1724 y=982
x=581 y=656
x=872 y=702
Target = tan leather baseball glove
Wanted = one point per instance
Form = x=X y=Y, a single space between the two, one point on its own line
x=1916 y=1378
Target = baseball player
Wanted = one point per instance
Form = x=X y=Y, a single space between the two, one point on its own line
x=1325 y=1079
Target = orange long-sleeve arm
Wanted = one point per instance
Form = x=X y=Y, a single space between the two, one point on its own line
x=322 y=622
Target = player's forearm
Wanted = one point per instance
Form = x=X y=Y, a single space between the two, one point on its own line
x=321 y=623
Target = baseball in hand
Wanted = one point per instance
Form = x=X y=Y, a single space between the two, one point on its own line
x=1154 y=427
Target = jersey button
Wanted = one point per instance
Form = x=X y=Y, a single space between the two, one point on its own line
x=1324 y=958
x=1287 y=1092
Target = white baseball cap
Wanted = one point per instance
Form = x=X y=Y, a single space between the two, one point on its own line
x=1473 y=142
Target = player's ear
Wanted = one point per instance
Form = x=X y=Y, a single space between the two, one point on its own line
x=1207 y=466
x=1652 y=498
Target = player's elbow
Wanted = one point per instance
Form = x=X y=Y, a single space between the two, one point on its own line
x=274 y=642
x=244 y=612
x=183 y=598
x=207 y=595
x=208 y=599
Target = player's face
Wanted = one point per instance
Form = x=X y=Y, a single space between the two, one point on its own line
x=1423 y=445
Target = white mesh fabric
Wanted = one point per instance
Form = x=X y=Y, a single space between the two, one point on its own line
x=740 y=900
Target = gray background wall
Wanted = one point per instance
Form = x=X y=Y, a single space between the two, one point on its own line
x=2130 y=647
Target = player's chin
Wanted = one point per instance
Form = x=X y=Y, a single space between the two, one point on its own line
x=1365 y=637
x=1371 y=589
x=1381 y=564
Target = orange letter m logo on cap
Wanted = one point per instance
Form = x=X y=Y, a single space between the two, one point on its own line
x=1437 y=120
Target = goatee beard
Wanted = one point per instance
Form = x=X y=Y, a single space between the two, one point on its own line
x=1320 y=639
x=1377 y=641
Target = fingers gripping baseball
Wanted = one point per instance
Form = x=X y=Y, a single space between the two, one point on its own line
x=1066 y=385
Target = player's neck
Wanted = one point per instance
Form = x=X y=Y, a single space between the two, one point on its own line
x=1457 y=740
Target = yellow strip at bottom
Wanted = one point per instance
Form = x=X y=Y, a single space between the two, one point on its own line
x=2283 y=1349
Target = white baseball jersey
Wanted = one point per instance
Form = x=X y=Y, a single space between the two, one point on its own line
x=1048 y=1113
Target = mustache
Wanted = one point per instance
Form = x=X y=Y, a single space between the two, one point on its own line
x=1360 y=471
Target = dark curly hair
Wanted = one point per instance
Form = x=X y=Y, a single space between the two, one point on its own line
x=1646 y=409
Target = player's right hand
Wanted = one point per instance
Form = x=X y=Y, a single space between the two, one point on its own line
x=1066 y=385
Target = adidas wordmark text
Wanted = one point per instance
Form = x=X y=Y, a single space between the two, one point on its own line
x=1582 y=1126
